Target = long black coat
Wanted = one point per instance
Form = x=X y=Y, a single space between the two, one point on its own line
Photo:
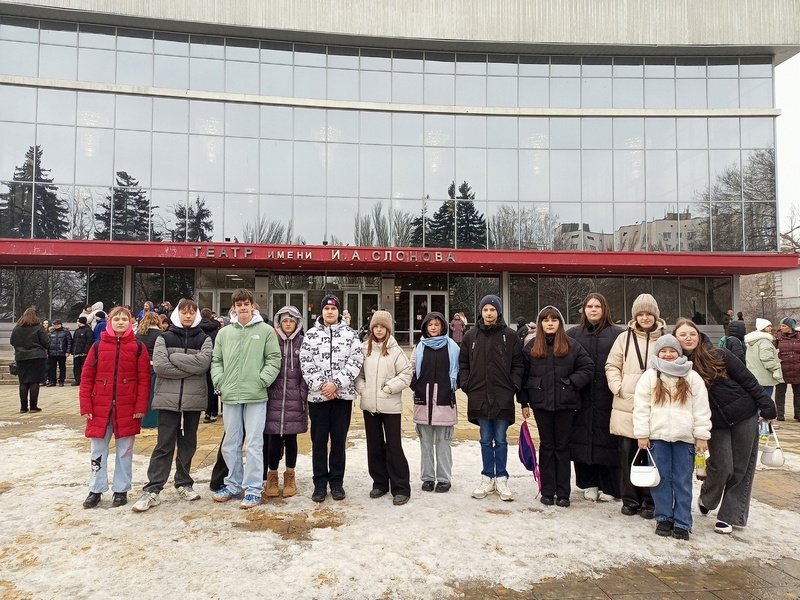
x=490 y=371
x=591 y=442
x=554 y=383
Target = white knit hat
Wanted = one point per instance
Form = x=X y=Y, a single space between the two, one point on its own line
x=762 y=324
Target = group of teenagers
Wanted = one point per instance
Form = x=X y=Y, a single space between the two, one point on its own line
x=598 y=393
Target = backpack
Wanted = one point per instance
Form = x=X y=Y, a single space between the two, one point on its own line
x=723 y=342
x=96 y=347
x=527 y=454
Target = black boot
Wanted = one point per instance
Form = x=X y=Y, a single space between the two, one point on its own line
x=92 y=500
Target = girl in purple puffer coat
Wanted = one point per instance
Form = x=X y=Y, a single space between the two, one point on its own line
x=287 y=407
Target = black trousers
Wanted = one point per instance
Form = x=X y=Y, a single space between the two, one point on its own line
x=212 y=408
x=77 y=366
x=274 y=445
x=607 y=478
x=220 y=470
x=24 y=390
x=330 y=421
x=632 y=496
x=780 y=399
x=171 y=436
x=555 y=467
x=386 y=460
x=52 y=362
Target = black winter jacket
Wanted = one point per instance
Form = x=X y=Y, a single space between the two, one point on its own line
x=554 y=383
x=591 y=442
x=149 y=340
x=82 y=340
x=60 y=342
x=735 y=340
x=490 y=371
x=738 y=397
x=210 y=327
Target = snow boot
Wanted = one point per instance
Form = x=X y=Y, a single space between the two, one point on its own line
x=289 y=484
x=272 y=485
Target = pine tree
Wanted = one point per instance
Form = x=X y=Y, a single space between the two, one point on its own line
x=47 y=218
x=132 y=218
x=194 y=224
x=457 y=223
x=420 y=227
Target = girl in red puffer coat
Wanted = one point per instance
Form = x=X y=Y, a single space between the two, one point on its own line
x=115 y=388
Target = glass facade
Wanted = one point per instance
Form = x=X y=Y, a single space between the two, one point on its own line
x=132 y=166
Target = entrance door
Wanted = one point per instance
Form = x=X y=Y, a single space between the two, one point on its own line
x=421 y=304
x=218 y=301
x=281 y=298
x=359 y=305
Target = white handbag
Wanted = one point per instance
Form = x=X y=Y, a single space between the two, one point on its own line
x=772 y=456
x=645 y=475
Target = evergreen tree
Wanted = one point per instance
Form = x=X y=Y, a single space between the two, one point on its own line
x=457 y=223
x=194 y=224
x=126 y=214
x=47 y=218
x=420 y=227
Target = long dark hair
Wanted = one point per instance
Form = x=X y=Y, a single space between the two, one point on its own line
x=707 y=361
x=29 y=318
x=560 y=341
x=606 y=321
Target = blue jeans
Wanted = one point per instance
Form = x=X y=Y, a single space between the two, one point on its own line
x=673 y=496
x=123 y=467
x=244 y=423
x=768 y=389
x=494 y=447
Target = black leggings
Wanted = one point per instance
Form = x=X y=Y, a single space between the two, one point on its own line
x=33 y=388
x=277 y=443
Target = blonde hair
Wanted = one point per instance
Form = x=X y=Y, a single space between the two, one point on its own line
x=148 y=321
x=661 y=395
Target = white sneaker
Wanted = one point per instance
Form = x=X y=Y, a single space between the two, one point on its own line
x=147 y=500
x=187 y=493
x=485 y=488
x=603 y=497
x=501 y=485
x=591 y=493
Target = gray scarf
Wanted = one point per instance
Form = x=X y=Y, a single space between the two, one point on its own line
x=679 y=367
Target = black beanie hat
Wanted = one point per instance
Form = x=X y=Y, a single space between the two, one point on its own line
x=331 y=300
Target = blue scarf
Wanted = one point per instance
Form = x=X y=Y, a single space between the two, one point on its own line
x=438 y=342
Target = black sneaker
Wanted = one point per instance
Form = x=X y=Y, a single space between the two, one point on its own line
x=400 y=499
x=427 y=486
x=442 y=487
x=703 y=509
x=23 y=410
x=75 y=383
x=563 y=502
x=92 y=500
x=60 y=384
x=213 y=418
x=647 y=512
x=376 y=493
x=679 y=533
x=629 y=511
x=547 y=500
x=337 y=492
x=664 y=528
x=50 y=385
x=781 y=418
x=319 y=494
x=120 y=499
x=36 y=409
x=207 y=419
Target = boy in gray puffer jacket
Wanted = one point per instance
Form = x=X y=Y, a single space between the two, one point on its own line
x=181 y=357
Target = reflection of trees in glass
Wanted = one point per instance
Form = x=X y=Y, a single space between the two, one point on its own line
x=47 y=218
x=526 y=228
x=420 y=226
x=790 y=234
x=69 y=294
x=270 y=231
x=375 y=228
x=126 y=213
x=32 y=289
x=81 y=215
x=457 y=223
x=6 y=295
x=193 y=224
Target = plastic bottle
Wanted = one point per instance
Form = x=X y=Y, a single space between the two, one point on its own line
x=700 y=466
x=763 y=430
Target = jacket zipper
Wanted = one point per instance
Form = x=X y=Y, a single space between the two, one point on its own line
x=286 y=343
x=114 y=415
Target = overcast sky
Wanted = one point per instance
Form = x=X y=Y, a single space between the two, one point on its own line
x=787 y=91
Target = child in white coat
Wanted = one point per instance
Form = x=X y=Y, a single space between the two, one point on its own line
x=672 y=417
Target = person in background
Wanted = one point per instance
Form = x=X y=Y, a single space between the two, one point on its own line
x=210 y=327
x=30 y=342
x=522 y=328
x=148 y=306
x=740 y=316
x=491 y=367
x=435 y=381
x=60 y=348
x=457 y=328
x=99 y=325
x=147 y=332
x=593 y=448
x=788 y=342
x=727 y=318
x=92 y=319
x=115 y=386
x=346 y=317
x=734 y=341
x=82 y=340
x=628 y=359
x=762 y=356
x=87 y=313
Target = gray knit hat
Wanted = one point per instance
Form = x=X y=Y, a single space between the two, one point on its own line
x=645 y=303
x=382 y=317
x=667 y=341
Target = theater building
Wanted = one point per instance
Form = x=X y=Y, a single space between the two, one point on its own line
x=415 y=155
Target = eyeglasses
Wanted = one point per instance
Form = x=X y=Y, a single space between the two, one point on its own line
x=687 y=335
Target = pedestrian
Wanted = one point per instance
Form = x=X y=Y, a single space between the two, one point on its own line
x=385 y=373
x=346 y=317
x=210 y=327
x=727 y=319
x=60 y=348
x=557 y=369
x=331 y=359
x=738 y=403
x=181 y=359
x=82 y=340
x=147 y=332
x=672 y=418
x=457 y=328
x=30 y=342
x=762 y=356
x=287 y=408
x=146 y=308
x=788 y=343
x=734 y=341
x=93 y=310
x=115 y=385
x=246 y=360
x=522 y=328
x=740 y=316
x=593 y=448
x=490 y=373
x=87 y=313
x=435 y=381
x=628 y=359
x=99 y=324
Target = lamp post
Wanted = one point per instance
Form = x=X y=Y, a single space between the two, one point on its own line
x=762 y=294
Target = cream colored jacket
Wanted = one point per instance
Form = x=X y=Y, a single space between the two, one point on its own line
x=383 y=378
x=623 y=371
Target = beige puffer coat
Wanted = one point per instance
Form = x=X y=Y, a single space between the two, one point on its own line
x=383 y=378
x=623 y=370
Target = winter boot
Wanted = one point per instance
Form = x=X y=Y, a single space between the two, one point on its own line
x=289 y=484
x=272 y=485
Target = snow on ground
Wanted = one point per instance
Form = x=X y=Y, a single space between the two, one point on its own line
x=358 y=548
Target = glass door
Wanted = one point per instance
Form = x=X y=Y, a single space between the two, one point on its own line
x=279 y=299
x=219 y=301
x=359 y=305
x=421 y=304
